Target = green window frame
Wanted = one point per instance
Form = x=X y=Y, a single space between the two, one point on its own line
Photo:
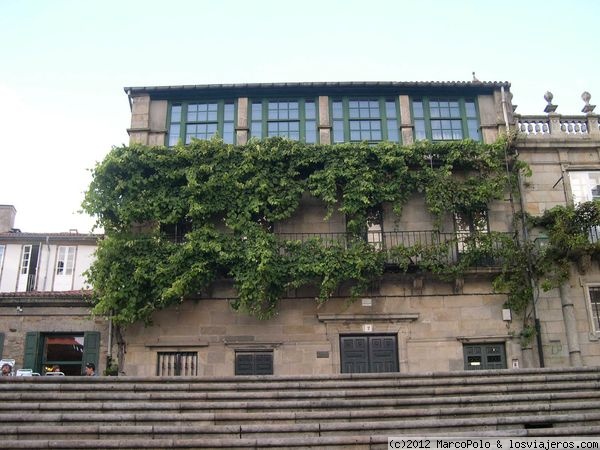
x=201 y=120
x=446 y=118
x=292 y=118
x=371 y=119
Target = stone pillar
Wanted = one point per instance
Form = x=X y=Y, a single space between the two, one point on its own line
x=554 y=120
x=7 y=218
x=592 y=125
x=241 y=127
x=324 y=121
x=140 y=119
x=158 y=122
x=570 y=327
x=406 y=125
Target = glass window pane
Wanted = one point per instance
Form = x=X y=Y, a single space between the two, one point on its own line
x=256 y=111
x=470 y=109
x=228 y=133
x=311 y=132
x=176 y=113
x=256 y=130
x=420 y=130
x=355 y=136
x=337 y=109
x=338 y=131
x=418 y=109
x=174 y=134
x=390 y=109
x=228 y=112
x=392 y=131
x=473 y=127
x=310 y=110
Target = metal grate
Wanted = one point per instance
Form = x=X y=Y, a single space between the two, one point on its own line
x=177 y=364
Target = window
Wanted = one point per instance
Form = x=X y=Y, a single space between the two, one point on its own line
x=28 y=268
x=295 y=119
x=467 y=226
x=585 y=187
x=594 y=294
x=484 y=356
x=445 y=119
x=254 y=363
x=364 y=119
x=2 y=247
x=65 y=261
x=177 y=364
x=201 y=120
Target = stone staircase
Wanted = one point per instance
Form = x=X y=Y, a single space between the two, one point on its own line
x=337 y=411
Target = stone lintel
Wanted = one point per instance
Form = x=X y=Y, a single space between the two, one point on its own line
x=484 y=339
x=368 y=317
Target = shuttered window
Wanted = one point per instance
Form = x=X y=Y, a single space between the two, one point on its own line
x=254 y=363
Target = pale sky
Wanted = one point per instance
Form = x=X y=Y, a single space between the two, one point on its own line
x=64 y=63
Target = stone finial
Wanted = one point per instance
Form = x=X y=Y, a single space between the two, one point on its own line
x=586 y=96
x=509 y=95
x=475 y=79
x=550 y=108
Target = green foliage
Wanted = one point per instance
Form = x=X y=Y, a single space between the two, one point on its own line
x=568 y=231
x=231 y=197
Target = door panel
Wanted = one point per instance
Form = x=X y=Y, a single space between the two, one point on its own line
x=368 y=354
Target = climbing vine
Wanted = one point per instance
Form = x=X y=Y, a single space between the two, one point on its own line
x=225 y=201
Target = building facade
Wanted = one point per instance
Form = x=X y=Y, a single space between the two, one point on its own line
x=410 y=322
x=44 y=317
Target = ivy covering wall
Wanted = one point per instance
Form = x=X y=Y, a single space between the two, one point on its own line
x=228 y=198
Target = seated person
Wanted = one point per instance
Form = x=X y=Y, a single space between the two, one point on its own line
x=6 y=370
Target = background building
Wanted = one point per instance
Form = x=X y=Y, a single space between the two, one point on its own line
x=44 y=317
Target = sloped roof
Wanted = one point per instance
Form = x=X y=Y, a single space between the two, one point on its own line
x=50 y=237
x=314 y=87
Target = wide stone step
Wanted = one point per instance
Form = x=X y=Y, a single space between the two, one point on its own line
x=272 y=383
x=355 y=442
x=82 y=394
x=111 y=406
x=319 y=416
x=389 y=428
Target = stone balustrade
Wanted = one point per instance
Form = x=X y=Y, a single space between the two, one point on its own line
x=555 y=125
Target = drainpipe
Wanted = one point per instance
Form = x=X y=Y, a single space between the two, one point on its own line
x=526 y=239
x=570 y=327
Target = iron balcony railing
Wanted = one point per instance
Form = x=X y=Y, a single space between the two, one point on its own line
x=412 y=248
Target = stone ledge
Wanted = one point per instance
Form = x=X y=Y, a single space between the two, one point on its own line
x=368 y=317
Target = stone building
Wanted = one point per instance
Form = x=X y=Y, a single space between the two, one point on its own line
x=563 y=153
x=409 y=322
x=44 y=318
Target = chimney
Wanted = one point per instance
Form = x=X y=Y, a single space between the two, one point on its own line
x=7 y=218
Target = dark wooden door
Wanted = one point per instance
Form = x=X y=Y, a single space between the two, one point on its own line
x=369 y=353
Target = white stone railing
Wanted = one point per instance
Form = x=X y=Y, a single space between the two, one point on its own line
x=555 y=125
x=533 y=125
x=573 y=125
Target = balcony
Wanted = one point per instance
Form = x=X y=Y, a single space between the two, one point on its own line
x=425 y=250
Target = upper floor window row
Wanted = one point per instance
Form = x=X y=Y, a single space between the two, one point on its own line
x=353 y=119
x=202 y=120
x=364 y=119
x=294 y=119
x=445 y=119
